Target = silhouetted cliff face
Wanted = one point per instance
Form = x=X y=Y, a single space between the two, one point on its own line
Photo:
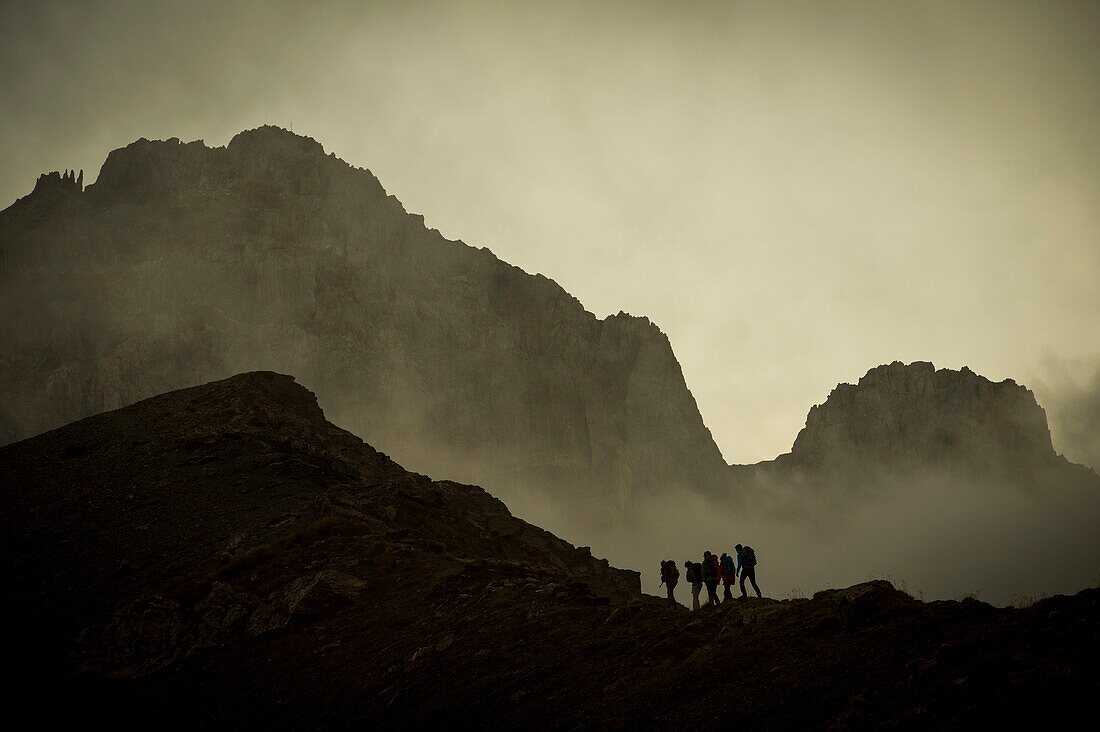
x=183 y=264
x=901 y=416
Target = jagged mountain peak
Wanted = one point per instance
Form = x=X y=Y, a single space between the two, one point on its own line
x=900 y=375
x=915 y=413
x=188 y=263
x=267 y=161
x=267 y=253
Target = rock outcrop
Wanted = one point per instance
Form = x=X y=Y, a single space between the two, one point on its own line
x=67 y=182
x=184 y=263
x=222 y=556
x=904 y=425
x=905 y=415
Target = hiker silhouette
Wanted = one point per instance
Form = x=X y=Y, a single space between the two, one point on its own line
x=712 y=570
x=669 y=577
x=695 y=577
x=746 y=564
x=729 y=575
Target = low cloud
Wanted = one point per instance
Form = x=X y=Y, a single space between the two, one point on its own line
x=934 y=536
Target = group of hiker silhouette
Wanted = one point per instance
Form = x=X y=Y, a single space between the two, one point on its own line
x=710 y=572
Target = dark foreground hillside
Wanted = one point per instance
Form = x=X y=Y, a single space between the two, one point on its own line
x=224 y=555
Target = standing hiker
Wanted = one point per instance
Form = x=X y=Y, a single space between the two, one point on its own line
x=669 y=577
x=711 y=571
x=746 y=565
x=729 y=575
x=695 y=577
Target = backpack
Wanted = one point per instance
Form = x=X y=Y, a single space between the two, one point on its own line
x=728 y=566
x=669 y=573
x=748 y=557
x=712 y=567
x=695 y=572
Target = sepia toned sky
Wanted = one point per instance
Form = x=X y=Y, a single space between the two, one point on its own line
x=795 y=192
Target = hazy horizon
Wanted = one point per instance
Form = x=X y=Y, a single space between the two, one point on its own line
x=794 y=195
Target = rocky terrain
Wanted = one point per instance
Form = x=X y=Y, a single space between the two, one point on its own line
x=184 y=263
x=222 y=555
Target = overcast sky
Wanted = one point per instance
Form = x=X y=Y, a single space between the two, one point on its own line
x=794 y=192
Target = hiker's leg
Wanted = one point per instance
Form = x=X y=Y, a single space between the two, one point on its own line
x=752 y=578
x=727 y=595
x=695 y=596
x=743 y=575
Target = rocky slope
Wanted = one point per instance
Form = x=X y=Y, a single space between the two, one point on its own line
x=184 y=263
x=223 y=556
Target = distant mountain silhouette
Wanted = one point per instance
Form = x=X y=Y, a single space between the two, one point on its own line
x=224 y=556
x=916 y=414
x=903 y=417
x=184 y=263
x=903 y=427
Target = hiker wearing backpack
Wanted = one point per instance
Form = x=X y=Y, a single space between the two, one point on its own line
x=746 y=564
x=712 y=570
x=695 y=577
x=669 y=577
x=729 y=575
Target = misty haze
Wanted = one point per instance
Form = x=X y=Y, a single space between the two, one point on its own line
x=818 y=279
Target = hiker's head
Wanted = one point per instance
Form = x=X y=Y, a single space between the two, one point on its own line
x=739 y=547
x=706 y=554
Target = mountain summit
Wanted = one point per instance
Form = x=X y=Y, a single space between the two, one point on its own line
x=916 y=414
x=184 y=263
